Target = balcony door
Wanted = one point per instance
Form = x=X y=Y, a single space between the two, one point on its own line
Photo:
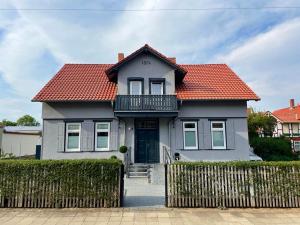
x=146 y=141
x=135 y=87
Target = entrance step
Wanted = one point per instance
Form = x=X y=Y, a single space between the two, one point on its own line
x=138 y=171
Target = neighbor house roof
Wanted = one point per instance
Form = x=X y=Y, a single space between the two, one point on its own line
x=288 y=115
x=90 y=82
x=23 y=129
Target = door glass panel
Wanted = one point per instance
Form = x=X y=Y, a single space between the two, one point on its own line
x=135 y=87
x=190 y=138
x=156 y=88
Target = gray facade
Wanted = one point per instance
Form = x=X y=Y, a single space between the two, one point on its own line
x=170 y=128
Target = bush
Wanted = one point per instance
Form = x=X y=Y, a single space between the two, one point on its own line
x=60 y=183
x=123 y=149
x=273 y=149
x=113 y=157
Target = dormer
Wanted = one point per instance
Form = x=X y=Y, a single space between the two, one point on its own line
x=146 y=72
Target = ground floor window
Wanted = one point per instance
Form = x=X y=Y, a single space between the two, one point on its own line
x=73 y=136
x=190 y=135
x=218 y=135
x=102 y=136
x=297 y=146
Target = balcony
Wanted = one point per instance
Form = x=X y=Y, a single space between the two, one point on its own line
x=152 y=104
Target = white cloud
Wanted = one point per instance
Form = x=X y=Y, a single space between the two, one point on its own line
x=36 y=44
x=270 y=64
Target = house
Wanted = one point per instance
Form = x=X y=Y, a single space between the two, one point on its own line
x=20 y=140
x=288 y=123
x=149 y=103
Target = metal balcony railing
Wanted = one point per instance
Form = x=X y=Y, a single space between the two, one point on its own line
x=159 y=103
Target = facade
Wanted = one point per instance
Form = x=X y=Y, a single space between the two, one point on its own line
x=20 y=141
x=149 y=103
x=288 y=123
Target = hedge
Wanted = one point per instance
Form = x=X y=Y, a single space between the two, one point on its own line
x=60 y=183
x=233 y=184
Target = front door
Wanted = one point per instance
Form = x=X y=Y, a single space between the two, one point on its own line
x=146 y=141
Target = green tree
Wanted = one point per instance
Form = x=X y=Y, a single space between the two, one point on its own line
x=259 y=122
x=6 y=122
x=27 y=120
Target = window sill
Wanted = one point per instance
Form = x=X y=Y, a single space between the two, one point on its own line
x=192 y=150
x=93 y=151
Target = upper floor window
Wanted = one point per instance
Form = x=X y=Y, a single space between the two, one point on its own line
x=157 y=86
x=102 y=135
x=73 y=136
x=190 y=139
x=218 y=135
x=135 y=87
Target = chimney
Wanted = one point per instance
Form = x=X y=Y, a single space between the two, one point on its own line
x=120 y=56
x=173 y=59
x=292 y=103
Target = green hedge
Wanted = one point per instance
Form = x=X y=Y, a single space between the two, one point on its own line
x=60 y=183
x=273 y=149
x=243 y=164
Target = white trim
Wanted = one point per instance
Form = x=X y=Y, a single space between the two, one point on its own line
x=218 y=129
x=102 y=130
x=67 y=137
x=190 y=129
x=140 y=87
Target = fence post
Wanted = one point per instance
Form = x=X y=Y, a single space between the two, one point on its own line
x=166 y=185
x=121 y=186
x=251 y=188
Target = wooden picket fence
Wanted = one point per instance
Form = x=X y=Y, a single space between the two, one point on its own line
x=61 y=184
x=232 y=186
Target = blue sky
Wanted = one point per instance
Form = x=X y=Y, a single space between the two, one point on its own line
x=262 y=46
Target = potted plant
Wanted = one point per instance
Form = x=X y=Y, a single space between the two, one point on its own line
x=123 y=149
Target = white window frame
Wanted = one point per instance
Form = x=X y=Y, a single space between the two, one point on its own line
x=102 y=130
x=140 y=88
x=218 y=129
x=161 y=87
x=190 y=129
x=67 y=137
x=298 y=143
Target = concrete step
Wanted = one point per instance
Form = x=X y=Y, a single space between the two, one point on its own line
x=144 y=174
x=137 y=169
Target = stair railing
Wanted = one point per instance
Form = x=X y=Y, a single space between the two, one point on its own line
x=167 y=155
x=127 y=161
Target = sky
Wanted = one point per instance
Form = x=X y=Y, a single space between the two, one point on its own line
x=261 y=46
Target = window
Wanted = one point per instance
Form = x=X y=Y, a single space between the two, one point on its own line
x=297 y=146
x=135 y=87
x=157 y=88
x=190 y=135
x=73 y=136
x=218 y=135
x=102 y=136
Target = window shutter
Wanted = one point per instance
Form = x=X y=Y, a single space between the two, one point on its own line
x=87 y=136
x=201 y=134
x=113 y=145
x=60 y=136
x=230 y=134
x=207 y=134
x=179 y=135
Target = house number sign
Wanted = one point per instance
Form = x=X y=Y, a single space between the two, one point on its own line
x=146 y=62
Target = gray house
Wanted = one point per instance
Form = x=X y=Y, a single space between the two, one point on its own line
x=149 y=103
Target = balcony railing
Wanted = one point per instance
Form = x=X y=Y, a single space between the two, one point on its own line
x=152 y=103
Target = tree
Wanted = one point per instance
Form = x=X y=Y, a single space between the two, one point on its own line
x=6 y=122
x=259 y=122
x=27 y=120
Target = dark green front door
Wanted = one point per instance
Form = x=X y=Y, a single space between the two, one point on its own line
x=146 y=141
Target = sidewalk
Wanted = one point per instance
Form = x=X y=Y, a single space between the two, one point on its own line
x=163 y=216
x=139 y=193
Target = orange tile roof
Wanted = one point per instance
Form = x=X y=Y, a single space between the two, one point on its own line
x=288 y=115
x=213 y=82
x=79 y=82
x=89 y=82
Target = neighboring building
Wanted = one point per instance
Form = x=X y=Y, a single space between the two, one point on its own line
x=20 y=141
x=288 y=123
x=145 y=101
